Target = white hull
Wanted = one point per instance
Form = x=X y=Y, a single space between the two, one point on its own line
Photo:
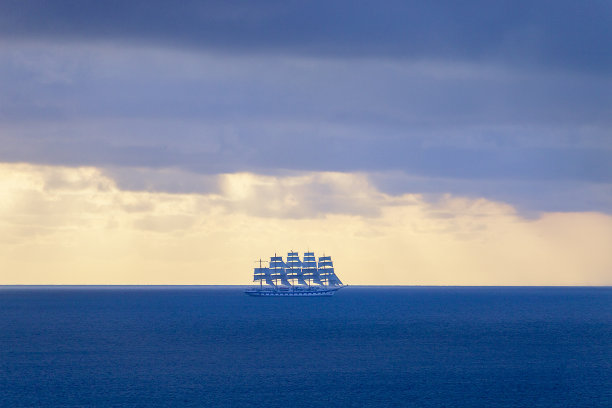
x=263 y=292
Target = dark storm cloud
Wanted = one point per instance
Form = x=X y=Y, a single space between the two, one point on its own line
x=562 y=33
x=507 y=100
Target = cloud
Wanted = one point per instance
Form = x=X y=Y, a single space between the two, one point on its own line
x=551 y=34
x=310 y=195
x=529 y=197
x=508 y=100
x=167 y=179
x=476 y=129
x=134 y=133
x=83 y=229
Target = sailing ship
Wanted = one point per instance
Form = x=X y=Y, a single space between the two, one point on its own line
x=296 y=277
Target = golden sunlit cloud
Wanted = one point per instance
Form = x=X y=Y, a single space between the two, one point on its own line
x=64 y=225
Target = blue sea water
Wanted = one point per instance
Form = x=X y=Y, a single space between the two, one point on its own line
x=364 y=347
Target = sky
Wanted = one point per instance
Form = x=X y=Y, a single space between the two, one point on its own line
x=416 y=142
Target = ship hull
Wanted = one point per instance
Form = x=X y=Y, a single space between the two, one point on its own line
x=257 y=292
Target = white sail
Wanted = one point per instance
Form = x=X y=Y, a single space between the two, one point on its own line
x=325 y=262
x=263 y=274
x=327 y=273
x=293 y=260
x=276 y=262
x=333 y=280
x=294 y=268
x=278 y=270
x=309 y=269
x=309 y=260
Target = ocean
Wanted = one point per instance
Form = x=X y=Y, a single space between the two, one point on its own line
x=364 y=347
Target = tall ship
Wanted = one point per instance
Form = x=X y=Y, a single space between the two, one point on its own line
x=295 y=277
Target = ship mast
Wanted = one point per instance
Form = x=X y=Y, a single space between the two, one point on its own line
x=294 y=269
x=278 y=271
x=261 y=280
x=261 y=273
x=326 y=269
x=309 y=269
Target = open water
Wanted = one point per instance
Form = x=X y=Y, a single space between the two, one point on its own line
x=364 y=347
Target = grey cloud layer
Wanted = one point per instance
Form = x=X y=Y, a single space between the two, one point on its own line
x=213 y=114
x=510 y=100
x=562 y=33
